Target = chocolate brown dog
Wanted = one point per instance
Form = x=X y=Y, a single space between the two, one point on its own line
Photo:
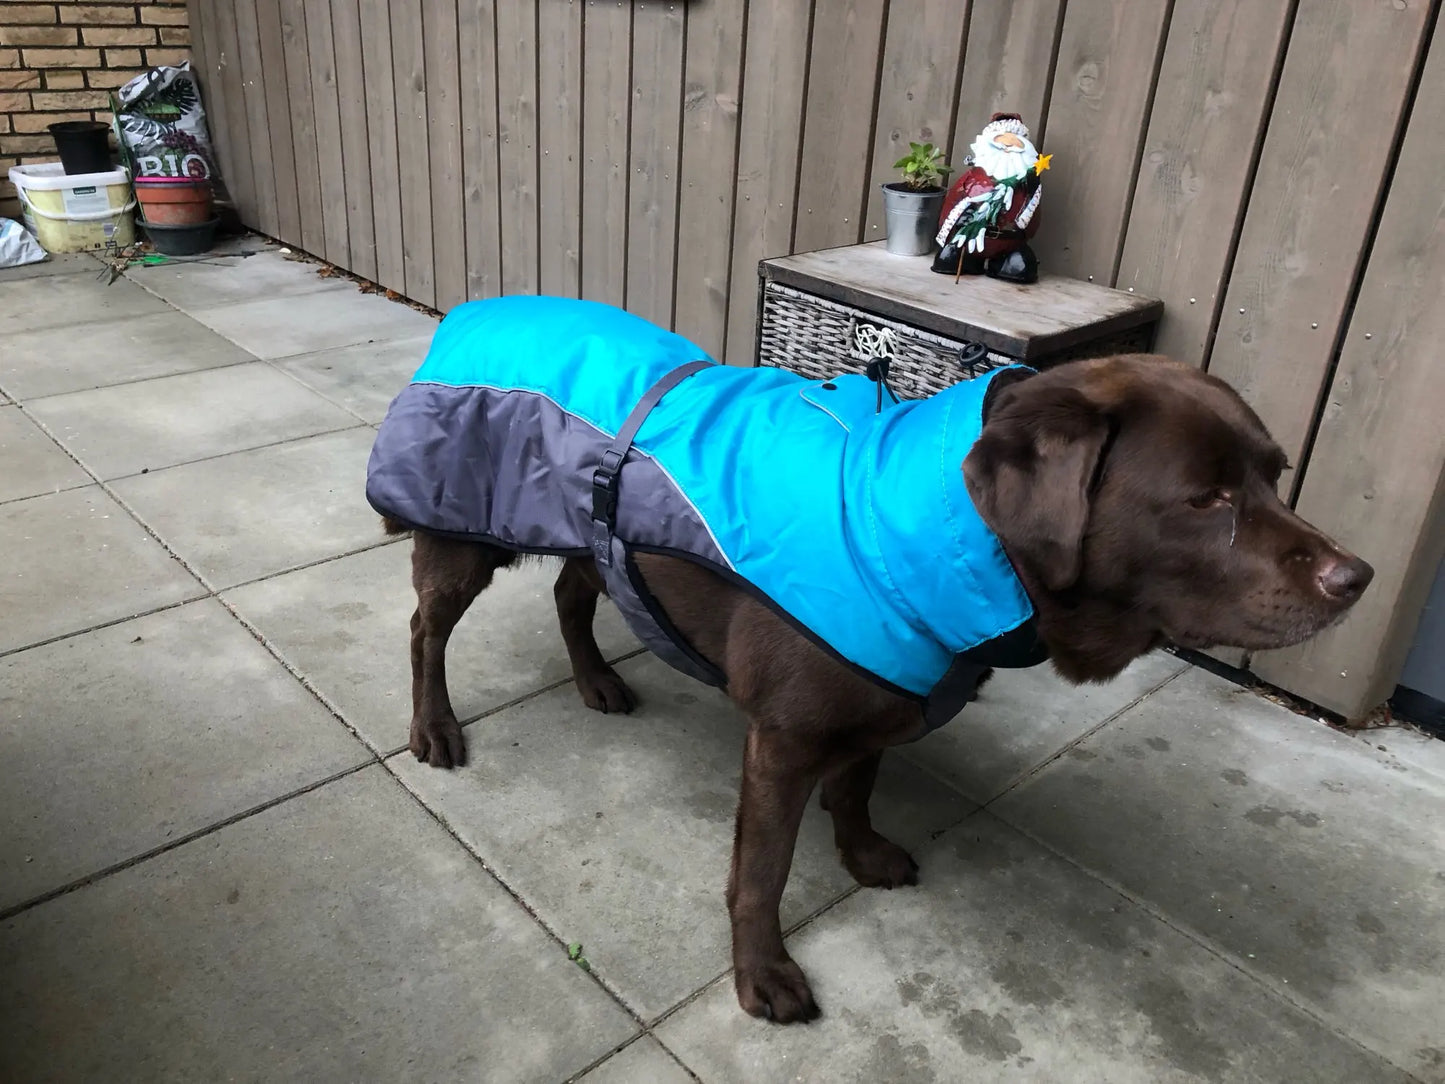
x=1134 y=496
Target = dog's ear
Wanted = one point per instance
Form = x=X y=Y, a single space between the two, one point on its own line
x=1031 y=472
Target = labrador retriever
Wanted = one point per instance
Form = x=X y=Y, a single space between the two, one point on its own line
x=1136 y=499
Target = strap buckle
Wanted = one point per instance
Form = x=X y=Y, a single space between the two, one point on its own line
x=604 y=498
x=604 y=478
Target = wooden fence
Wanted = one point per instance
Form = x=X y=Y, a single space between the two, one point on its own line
x=1273 y=169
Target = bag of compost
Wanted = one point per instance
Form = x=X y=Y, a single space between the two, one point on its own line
x=163 y=125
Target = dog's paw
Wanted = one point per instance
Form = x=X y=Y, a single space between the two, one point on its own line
x=876 y=862
x=604 y=691
x=777 y=991
x=439 y=742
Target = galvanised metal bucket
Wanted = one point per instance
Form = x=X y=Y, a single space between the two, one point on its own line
x=911 y=218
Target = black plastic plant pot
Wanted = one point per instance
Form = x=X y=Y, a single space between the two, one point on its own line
x=84 y=145
x=183 y=240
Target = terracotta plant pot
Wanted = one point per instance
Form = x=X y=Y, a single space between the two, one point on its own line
x=174 y=201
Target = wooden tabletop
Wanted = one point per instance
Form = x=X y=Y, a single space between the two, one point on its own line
x=1025 y=322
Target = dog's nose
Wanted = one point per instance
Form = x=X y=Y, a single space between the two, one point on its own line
x=1345 y=578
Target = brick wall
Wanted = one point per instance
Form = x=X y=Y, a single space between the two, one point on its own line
x=58 y=60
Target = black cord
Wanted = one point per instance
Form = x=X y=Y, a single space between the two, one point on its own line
x=877 y=371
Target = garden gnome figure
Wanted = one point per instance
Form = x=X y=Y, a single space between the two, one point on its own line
x=992 y=209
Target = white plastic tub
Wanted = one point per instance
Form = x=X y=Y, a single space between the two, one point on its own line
x=77 y=212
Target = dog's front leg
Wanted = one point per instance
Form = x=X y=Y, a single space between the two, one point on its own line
x=874 y=862
x=778 y=777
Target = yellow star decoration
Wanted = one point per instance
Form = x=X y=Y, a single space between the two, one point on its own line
x=1043 y=163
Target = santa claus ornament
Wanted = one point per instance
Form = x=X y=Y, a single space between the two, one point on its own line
x=992 y=210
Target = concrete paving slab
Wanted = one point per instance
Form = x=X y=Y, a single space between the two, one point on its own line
x=159 y=423
x=202 y=724
x=227 y=281
x=70 y=300
x=75 y=560
x=1315 y=859
x=250 y=514
x=643 y=1062
x=342 y=935
x=344 y=624
x=364 y=379
x=1023 y=717
x=279 y=327
x=618 y=830
x=33 y=464
x=57 y=360
x=1009 y=963
x=60 y=263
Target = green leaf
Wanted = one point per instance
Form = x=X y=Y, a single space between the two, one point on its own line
x=574 y=950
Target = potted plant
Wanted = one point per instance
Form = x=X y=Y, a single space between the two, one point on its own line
x=911 y=206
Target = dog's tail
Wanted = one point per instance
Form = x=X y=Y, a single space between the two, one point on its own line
x=394 y=526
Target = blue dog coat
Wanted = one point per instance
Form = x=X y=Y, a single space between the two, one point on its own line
x=850 y=521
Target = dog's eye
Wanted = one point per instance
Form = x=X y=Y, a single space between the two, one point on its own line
x=1211 y=498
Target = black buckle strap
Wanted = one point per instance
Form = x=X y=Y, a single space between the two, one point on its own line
x=604 y=478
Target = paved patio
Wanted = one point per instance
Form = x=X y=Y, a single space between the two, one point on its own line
x=218 y=862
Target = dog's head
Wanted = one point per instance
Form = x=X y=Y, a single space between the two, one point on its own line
x=1137 y=498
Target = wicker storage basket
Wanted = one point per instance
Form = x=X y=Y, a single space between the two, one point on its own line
x=820 y=338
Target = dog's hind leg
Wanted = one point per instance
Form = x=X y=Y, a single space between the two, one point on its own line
x=874 y=861
x=447 y=575
x=779 y=772
x=576 y=591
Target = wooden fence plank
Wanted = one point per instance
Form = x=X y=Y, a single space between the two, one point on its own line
x=231 y=130
x=381 y=138
x=206 y=68
x=303 y=126
x=517 y=153
x=559 y=135
x=408 y=57
x=203 y=49
x=477 y=56
x=203 y=57
x=922 y=50
x=1102 y=85
x=838 y=124
x=712 y=87
x=271 y=71
x=1315 y=194
x=444 y=142
x=1209 y=112
x=606 y=122
x=768 y=145
x=1006 y=66
x=1376 y=475
x=242 y=174
x=355 y=140
x=658 y=28
x=321 y=49
x=253 y=85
